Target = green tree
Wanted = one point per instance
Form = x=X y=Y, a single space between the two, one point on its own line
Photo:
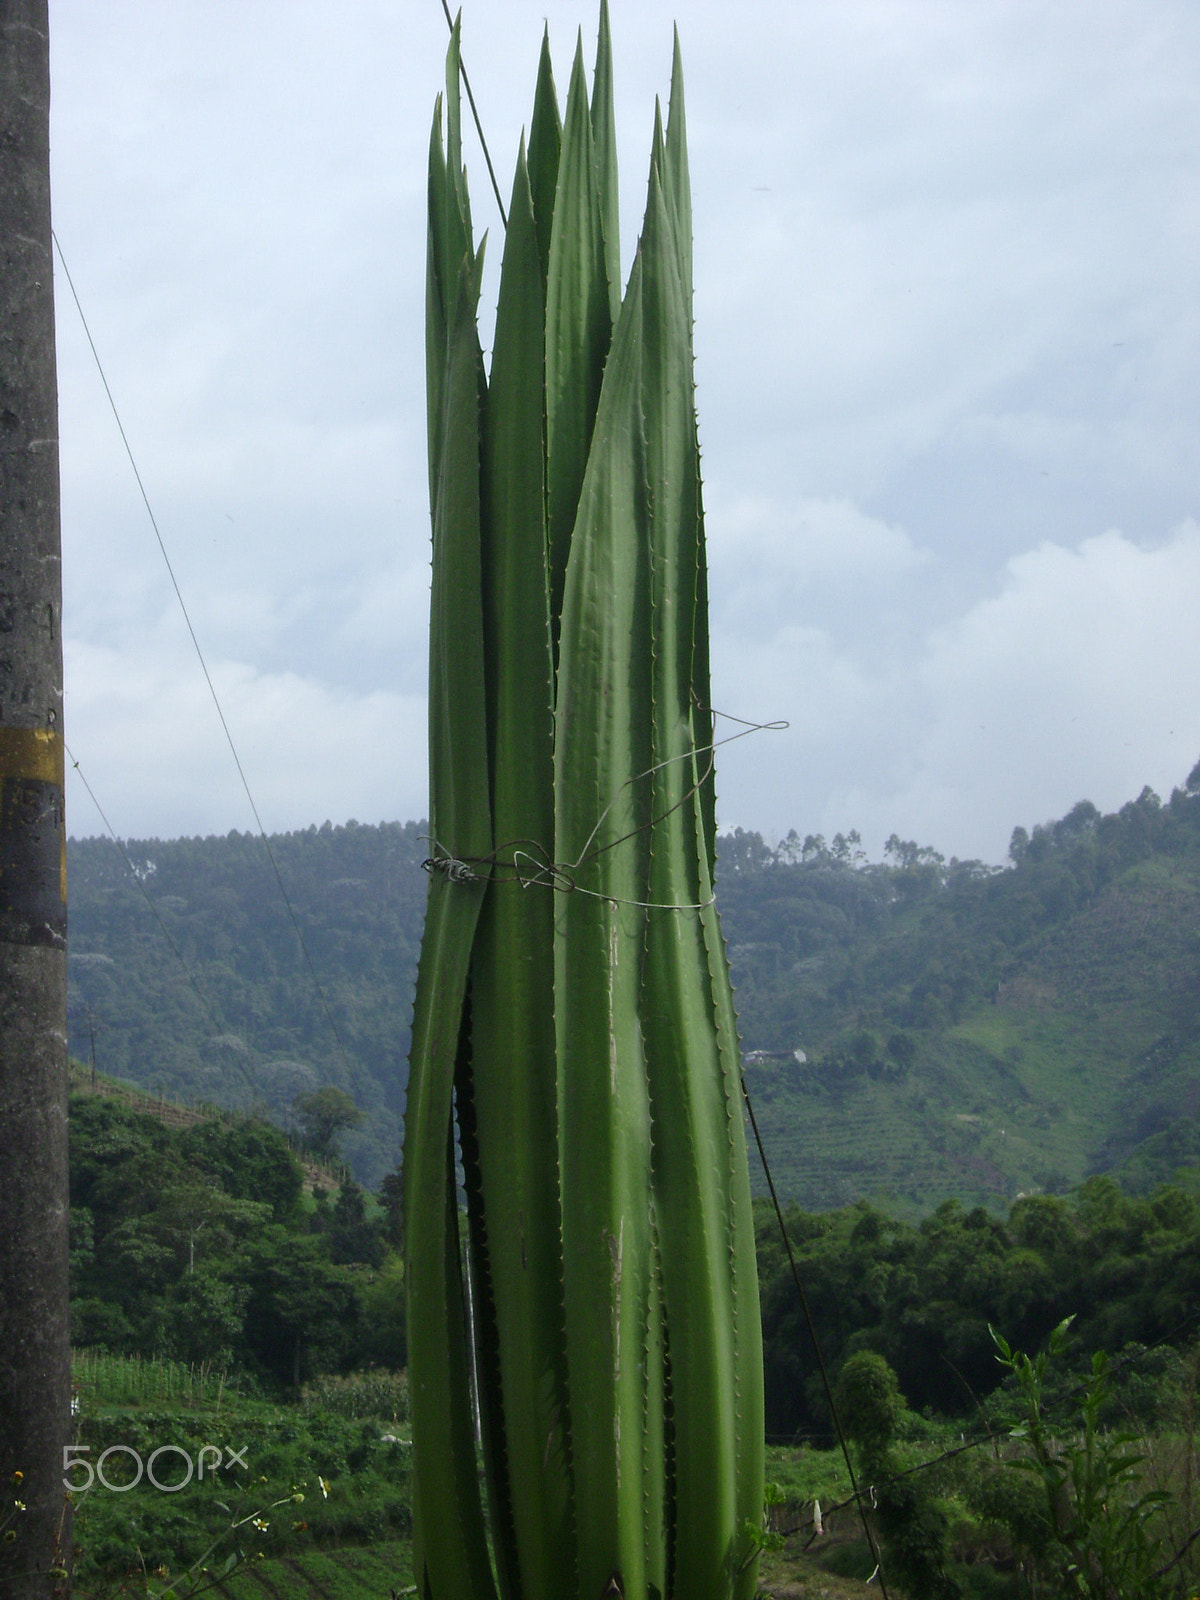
x=391 y=1197
x=384 y=1337
x=302 y=1314
x=870 y=1405
x=205 y=1315
x=914 y=1527
x=250 y=1160
x=326 y=1114
x=1094 y=1492
x=351 y=1237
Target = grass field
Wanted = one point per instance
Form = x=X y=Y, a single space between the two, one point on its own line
x=176 y=1471
x=346 y=1539
x=375 y=1573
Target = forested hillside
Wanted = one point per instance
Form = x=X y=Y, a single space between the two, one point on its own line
x=968 y=1030
x=192 y=979
x=213 y=1298
x=963 y=1030
x=198 y=1244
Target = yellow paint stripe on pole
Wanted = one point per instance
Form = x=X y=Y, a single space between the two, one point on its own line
x=35 y=754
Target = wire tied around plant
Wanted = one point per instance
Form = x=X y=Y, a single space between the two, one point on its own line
x=529 y=862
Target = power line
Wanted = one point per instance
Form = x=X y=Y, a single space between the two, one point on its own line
x=216 y=1021
x=478 y=124
x=262 y=832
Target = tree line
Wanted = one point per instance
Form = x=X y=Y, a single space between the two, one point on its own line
x=198 y=1244
x=190 y=975
x=821 y=936
x=873 y=969
x=925 y=1296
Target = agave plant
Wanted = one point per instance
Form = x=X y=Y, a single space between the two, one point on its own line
x=582 y=1296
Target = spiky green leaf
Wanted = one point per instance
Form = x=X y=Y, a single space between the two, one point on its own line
x=578 y=325
x=574 y=1008
x=601 y=756
x=604 y=138
x=515 y=1087
x=545 y=143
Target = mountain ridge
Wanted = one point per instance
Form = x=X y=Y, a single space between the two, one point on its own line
x=966 y=1031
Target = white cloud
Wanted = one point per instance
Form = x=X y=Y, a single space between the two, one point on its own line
x=1077 y=679
x=767 y=554
x=946 y=329
x=150 y=745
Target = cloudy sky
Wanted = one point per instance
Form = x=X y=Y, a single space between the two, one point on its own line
x=947 y=333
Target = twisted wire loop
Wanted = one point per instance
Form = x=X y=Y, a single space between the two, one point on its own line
x=448 y=866
x=529 y=862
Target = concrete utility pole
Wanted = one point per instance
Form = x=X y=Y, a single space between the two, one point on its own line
x=35 y=1379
